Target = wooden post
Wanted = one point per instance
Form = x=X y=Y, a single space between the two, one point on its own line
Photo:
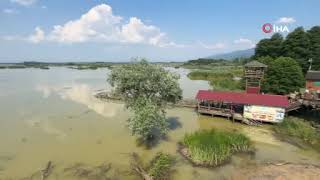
x=198 y=107
x=232 y=114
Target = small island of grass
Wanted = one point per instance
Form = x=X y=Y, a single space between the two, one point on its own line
x=213 y=147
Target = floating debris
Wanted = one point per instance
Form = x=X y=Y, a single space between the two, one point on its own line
x=44 y=173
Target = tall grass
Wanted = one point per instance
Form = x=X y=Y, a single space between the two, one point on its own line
x=161 y=166
x=219 y=80
x=207 y=75
x=298 y=130
x=214 y=147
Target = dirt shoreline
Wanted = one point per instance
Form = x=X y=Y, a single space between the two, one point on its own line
x=268 y=171
x=279 y=171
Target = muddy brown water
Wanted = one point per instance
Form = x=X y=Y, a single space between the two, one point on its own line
x=52 y=116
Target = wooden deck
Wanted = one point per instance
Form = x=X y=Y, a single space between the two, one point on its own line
x=228 y=114
x=215 y=111
x=294 y=106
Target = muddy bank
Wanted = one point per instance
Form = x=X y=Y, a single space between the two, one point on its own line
x=279 y=171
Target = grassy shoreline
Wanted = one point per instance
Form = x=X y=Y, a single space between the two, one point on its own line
x=45 y=65
x=299 y=132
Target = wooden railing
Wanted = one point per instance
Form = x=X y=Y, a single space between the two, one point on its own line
x=209 y=108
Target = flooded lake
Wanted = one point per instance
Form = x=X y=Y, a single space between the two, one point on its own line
x=52 y=115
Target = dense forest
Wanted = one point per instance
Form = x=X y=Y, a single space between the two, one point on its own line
x=288 y=59
x=299 y=45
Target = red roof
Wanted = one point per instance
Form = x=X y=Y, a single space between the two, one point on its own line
x=244 y=98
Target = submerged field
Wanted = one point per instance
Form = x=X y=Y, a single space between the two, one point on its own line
x=52 y=116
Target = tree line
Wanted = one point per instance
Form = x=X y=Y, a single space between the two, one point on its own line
x=288 y=59
x=300 y=45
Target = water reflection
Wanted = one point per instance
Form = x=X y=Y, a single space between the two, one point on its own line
x=189 y=87
x=83 y=94
x=46 y=90
x=47 y=127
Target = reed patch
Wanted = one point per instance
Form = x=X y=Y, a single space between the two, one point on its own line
x=213 y=147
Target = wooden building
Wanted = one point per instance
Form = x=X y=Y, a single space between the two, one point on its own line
x=253 y=73
x=312 y=87
x=313 y=81
x=243 y=106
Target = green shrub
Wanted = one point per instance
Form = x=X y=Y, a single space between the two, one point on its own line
x=215 y=147
x=161 y=165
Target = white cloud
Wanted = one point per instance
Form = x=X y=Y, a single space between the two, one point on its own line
x=286 y=20
x=38 y=36
x=99 y=24
x=137 y=32
x=213 y=46
x=244 y=42
x=10 y=11
x=24 y=2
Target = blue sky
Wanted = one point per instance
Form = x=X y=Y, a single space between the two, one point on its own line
x=117 y=30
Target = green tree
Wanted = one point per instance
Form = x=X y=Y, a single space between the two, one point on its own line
x=146 y=90
x=284 y=75
x=314 y=36
x=148 y=120
x=270 y=47
x=266 y=60
x=297 y=46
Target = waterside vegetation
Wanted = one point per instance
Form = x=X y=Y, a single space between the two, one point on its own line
x=211 y=64
x=213 y=147
x=146 y=89
x=71 y=65
x=159 y=168
x=224 y=78
x=299 y=132
x=18 y=66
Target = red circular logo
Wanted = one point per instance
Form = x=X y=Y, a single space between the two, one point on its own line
x=267 y=28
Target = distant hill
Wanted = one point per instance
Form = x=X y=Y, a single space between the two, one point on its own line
x=234 y=54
